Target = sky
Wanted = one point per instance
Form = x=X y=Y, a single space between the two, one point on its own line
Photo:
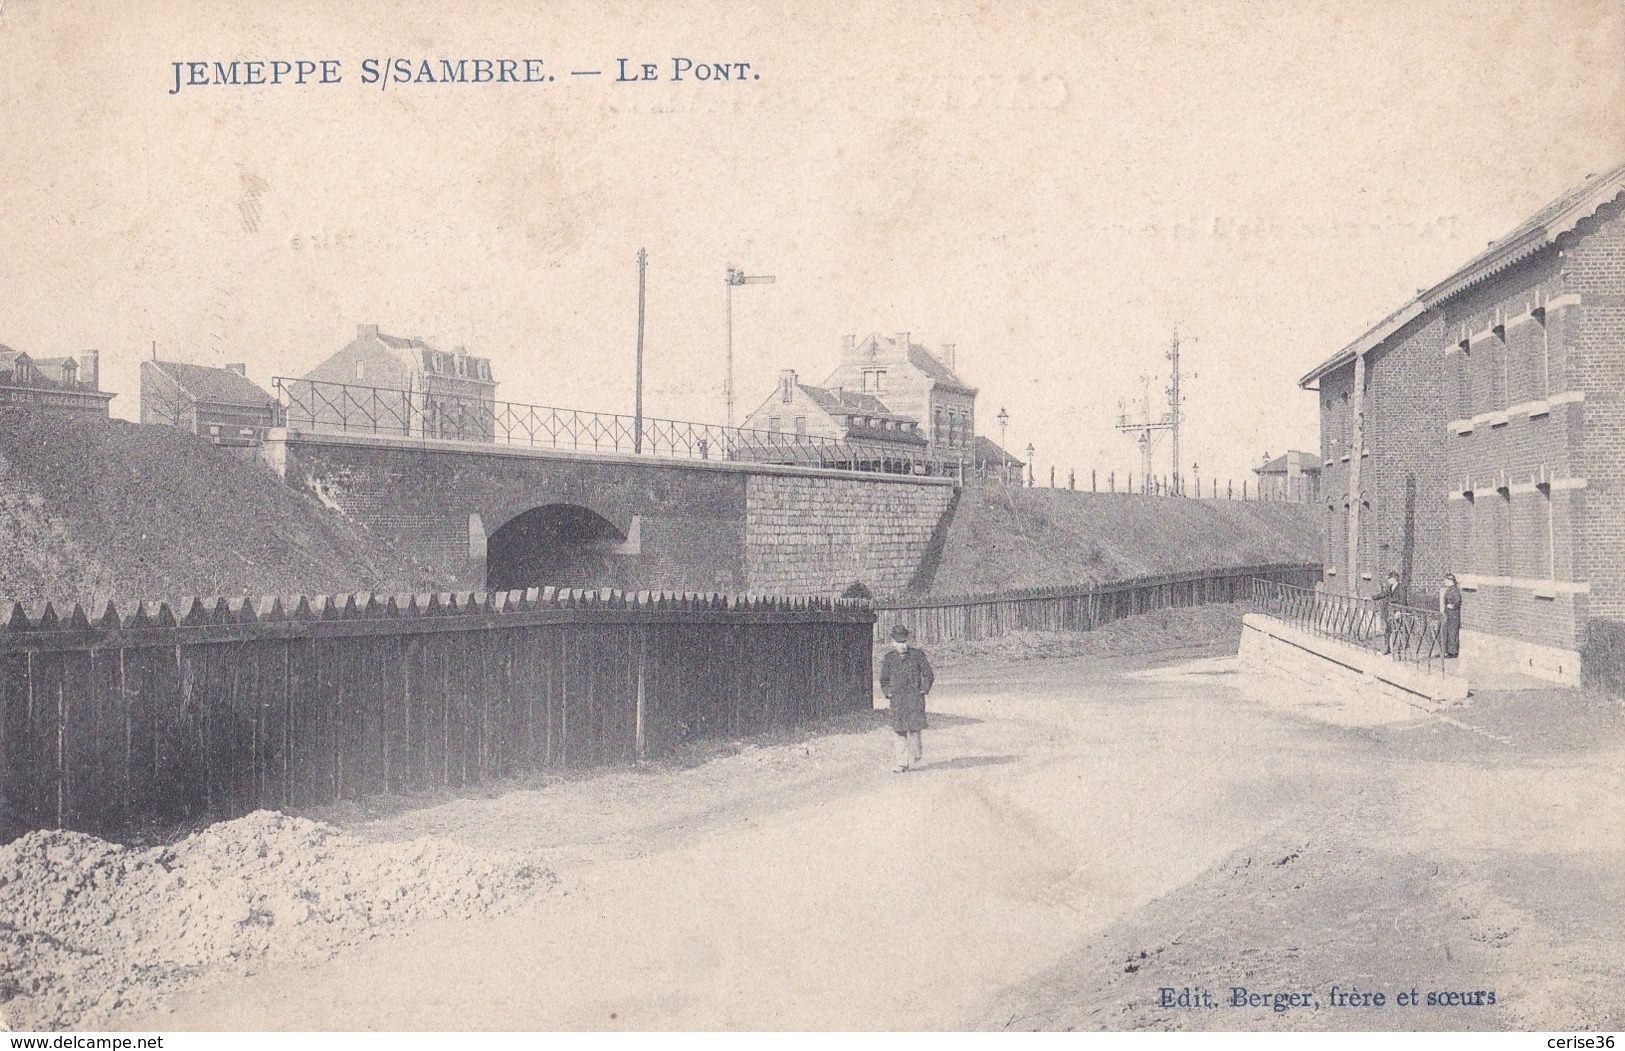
x=1053 y=187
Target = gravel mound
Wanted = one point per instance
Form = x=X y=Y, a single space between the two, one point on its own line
x=88 y=927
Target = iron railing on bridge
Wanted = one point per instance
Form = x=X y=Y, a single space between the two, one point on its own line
x=323 y=406
x=1405 y=633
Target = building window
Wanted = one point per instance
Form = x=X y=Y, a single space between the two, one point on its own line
x=874 y=380
x=772 y=423
x=1545 y=492
x=801 y=425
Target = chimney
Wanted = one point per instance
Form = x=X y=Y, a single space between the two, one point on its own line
x=787 y=385
x=848 y=345
x=366 y=332
x=90 y=369
x=902 y=345
x=239 y=367
x=948 y=356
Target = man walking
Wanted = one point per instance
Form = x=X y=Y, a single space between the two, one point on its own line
x=905 y=679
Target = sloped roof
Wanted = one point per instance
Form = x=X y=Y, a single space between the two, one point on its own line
x=841 y=402
x=855 y=406
x=1539 y=230
x=986 y=450
x=935 y=367
x=1367 y=340
x=422 y=352
x=921 y=358
x=214 y=386
x=1306 y=461
x=1530 y=236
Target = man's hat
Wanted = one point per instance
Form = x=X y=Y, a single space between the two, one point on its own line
x=899 y=633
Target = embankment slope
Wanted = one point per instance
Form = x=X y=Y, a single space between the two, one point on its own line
x=1008 y=538
x=92 y=510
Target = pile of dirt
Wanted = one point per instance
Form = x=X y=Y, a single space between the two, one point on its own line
x=97 y=509
x=88 y=927
x=1162 y=629
x=1003 y=538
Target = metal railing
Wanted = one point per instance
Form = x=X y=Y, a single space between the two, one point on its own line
x=1081 y=607
x=318 y=405
x=1405 y=633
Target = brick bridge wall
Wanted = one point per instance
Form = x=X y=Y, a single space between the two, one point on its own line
x=688 y=525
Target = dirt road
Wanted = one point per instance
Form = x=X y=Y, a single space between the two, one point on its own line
x=1085 y=833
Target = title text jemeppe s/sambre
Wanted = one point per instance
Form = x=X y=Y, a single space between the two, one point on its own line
x=278 y=72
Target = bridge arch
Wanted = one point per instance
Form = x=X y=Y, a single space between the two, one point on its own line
x=554 y=545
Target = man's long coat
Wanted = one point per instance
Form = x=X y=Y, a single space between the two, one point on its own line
x=905 y=679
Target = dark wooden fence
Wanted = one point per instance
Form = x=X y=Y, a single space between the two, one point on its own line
x=1079 y=608
x=145 y=720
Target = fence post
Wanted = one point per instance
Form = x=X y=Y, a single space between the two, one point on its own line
x=638 y=733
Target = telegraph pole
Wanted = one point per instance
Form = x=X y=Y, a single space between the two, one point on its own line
x=1173 y=406
x=637 y=410
x=1146 y=430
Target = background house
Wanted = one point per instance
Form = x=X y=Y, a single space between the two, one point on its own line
x=863 y=426
x=220 y=404
x=913 y=383
x=62 y=383
x=1292 y=476
x=1477 y=429
x=408 y=387
x=990 y=463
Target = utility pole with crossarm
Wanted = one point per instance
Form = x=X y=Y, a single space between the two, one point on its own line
x=736 y=277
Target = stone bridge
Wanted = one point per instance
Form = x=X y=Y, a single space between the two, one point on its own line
x=503 y=516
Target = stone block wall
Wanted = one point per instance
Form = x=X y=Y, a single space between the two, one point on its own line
x=806 y=535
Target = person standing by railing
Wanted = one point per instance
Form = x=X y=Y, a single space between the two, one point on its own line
x=1450 y=612
x=1386 y=599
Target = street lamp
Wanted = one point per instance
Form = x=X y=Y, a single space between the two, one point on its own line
x=1004 y=457
x=736 y=277
x=1029 y=465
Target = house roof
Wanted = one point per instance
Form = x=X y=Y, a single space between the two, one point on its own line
x=1305 y=461
x=838 y=401
x=1369 y=339
x=1528 y=237
x=855 y=406
x=986 y=450
x=925 y=361
x=936 y=368
x=214 y=386
x=1538 y=231
x=424 y=354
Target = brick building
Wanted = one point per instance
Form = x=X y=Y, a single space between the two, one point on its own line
x=916 y=384
x=220 y=404
x=1480 y=429
x=426 y=392
x=63 y=383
